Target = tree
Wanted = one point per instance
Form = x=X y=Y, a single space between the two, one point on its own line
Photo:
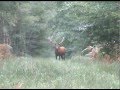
x=105 y=29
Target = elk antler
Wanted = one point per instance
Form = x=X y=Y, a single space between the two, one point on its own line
x=50 y=40
x=62 y=40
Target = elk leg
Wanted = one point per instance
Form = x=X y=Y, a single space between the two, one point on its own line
x=64 y=57
x=56 y=57
x=60 y=57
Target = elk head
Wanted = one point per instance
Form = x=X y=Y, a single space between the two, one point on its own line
x=59 y=49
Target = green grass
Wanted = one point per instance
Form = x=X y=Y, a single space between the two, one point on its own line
x=49 y=73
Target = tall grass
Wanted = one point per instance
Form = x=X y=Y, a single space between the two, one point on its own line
x=58 y=74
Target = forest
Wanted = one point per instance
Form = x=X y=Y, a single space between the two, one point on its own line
x=34 y=28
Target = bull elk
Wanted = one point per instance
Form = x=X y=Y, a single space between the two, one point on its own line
x=59 y=49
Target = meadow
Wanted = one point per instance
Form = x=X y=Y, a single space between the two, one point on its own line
x=48 y=73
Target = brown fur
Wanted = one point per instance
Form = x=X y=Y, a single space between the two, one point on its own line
x=60 y=51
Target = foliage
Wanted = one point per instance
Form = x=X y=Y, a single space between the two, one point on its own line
x=29 y=24
x=105 y=29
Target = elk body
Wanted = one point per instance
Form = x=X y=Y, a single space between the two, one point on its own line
x=59 y=50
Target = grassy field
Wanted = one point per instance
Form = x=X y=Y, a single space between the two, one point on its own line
x=49 y=73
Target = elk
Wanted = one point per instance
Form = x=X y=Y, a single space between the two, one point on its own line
x=59 y=49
